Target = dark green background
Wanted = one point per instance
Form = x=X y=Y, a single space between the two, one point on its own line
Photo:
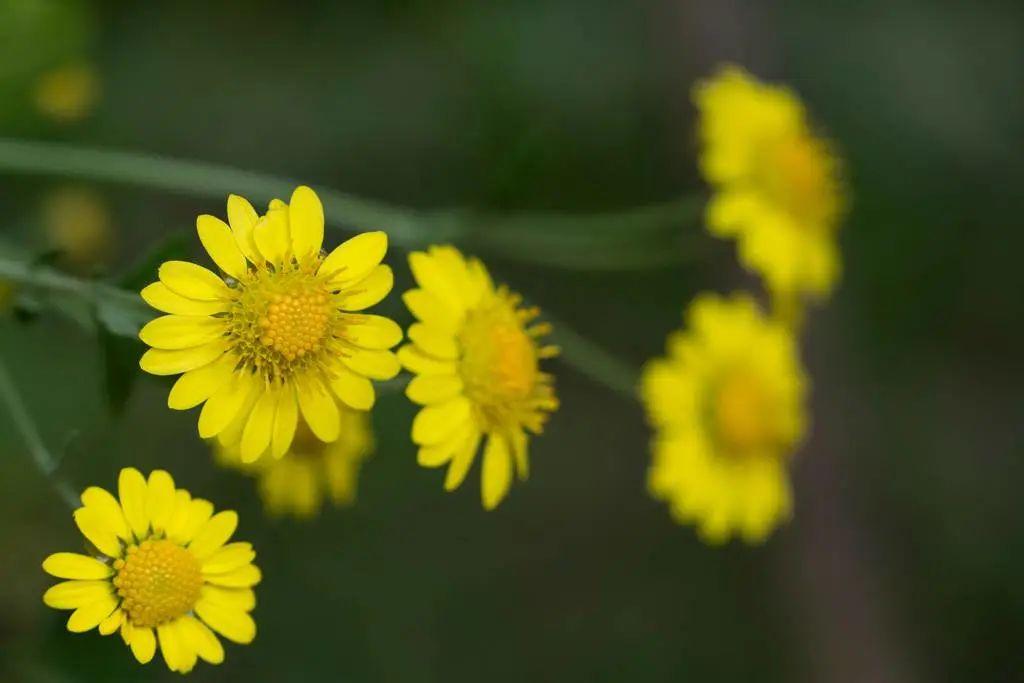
x=905 y=560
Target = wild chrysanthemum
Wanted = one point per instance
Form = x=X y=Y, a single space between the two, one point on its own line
x=476 y=358
x=727 y=409
x=311 y=471
x=78 y=225
x=158 y=568
x=281 y=333
x=777 y=185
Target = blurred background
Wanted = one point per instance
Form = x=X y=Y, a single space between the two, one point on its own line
x=905 y=557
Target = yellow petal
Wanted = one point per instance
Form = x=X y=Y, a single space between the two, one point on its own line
x=306 y=218
x=195 y=386
x=159 y=296
x=94 y=527
x=318 y=408
x=497 y=472
x=108 y=509
x=230 y=557
x=133 y=492
x=199 y=513
x=179 y=515
x=220 y=244
x=243 y=577
x=143 y=643
x=193 y=281
x=354 y=258
x=215 y=533
x=163 y=362
x=238 y=599
x=415 y=360
x=206 y=644
x=462 y=461
x=432 y=310
x=380 y=365
x=371 y=331
x=112 y=623
x=75 y=594
x=433 y=423
x=178 y=653
x=259 y=427
x=75 y=566
x=520 y=451
x=285 y=420
x=434 y=341
x=160 y=499
x=440 y=453
x=88 y=617
x=223 y=406
x=368 y=291
x=242 y=218
x=235 y=625
x=432 y=276
x=354 y=390
x=427 y=389
x=272 y=238
x=182 y=331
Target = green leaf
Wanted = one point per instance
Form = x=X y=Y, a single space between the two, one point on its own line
x=173 y=247
x=119 y=355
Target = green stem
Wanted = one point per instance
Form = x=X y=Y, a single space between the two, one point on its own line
x=44 y=461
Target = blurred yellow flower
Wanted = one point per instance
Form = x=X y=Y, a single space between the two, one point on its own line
x=727 y=408
x=77 y=223
x=67 y=93
x=280 y=333
x=311 y=470
x=160 y=569
x=777 y=185
x=476 y=359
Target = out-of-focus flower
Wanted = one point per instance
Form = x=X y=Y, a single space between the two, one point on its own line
x=476 y=358
x=311 y=471
x=280 y=333
x=77 y=223
x=160 y=569
x=777 y=184
x=727 y=408
x=68 y=93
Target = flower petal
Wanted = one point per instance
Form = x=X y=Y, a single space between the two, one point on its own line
x=162 y=298
x=318 y=408
x=462 y=461
x=178 y=653
x=75 y=566
x=354 y=390
x=220 y=244
x=221 y=408
x=380 y=365
x=435 y=422
x=434 y=341
x=88 y=617
x=133 y=491
x=368 y=291
x=243 y=577
x=272 y=238
x=199 y=512
x=142 y=643
x=427 y=389
x=182 y=331
x=239 y=599
x=160 y=499
x=193 y=281
x=371 y=331
x=206 y=645
x=259 y=428
x=432 y=310
x=354 y=258
x=416 y=360
x=235 y=625
x=242 y=218
x=497 y=471
x=93 y=526
x=228 y=558
x=438 y=454
x=196 y=386
x=75 y=594
x=112 y=623
x=108 y=509
x=306 y=219
x=285 y=421
x=164 y=362
x=214 y=534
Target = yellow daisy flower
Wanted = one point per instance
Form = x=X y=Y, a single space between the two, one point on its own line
x=727 y=408
x=78 y=224
x=311 y=470
x=67 y=93
x=281 y=333
x=160 y=569
x=476 y=359
x=777 y=185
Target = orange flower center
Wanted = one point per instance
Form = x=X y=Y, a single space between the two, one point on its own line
x=295 y=323
x=741 y=415
x=158 y=581
x=799 y=173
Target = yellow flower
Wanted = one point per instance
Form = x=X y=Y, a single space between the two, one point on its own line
x=727 y=408
x=777 y=185
x=476 y=360
x=160 y=569
x=67 y=93
x=77 y=223
x=311 y=470
x=280 y=333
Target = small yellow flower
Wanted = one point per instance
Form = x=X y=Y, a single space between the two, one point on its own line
x=727 y=408
x=67 y=93
x=476 y=359
x=77 y=223
x=280 y=333
x=777 y=185
x=311 y=470
x=160 y=569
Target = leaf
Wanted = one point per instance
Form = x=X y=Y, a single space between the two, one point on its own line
x=119 y=319
x=174 y=247
x=119 y=355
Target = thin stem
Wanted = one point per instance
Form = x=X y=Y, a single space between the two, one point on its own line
x=44 y=461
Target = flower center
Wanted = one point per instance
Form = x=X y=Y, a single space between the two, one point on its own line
x=798 y=173
x=281 y=320
x=741 y=415
x=158 y=581
x=499 y=362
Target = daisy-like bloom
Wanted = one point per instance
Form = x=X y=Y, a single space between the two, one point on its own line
x=77 y=224
x=281 y=333
x=311 y=471
x=777 y=184
x=159 y=569
x=67 y=93
x=475 y=353
x=727 y=408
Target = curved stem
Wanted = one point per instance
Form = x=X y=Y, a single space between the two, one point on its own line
x=44 y=461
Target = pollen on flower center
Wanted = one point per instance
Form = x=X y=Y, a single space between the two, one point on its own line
x=295 y=323
x=499 y=361
x=740 y=414
x=158 y=581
